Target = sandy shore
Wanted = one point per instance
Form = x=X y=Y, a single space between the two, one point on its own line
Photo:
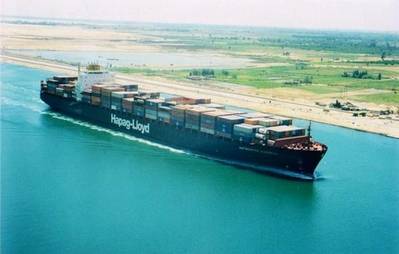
x=239 y=97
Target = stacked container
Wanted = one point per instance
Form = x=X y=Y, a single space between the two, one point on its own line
x=59 y=91
x=252 y=120
x=150 y=94
x=129 y=87
x=52 y=86
x=208 y=120
x=282 y=120
x=138 y=106
x=178 y=115
x=96 y=94
x=189 y=101
x=106 y=93
x=61 y=85
x=151 y=108
x=267 y=122
x=116 y=99
x=225 y=124
x=68 y=90
x=164 y=114
x=127 y=105
x=284 y=131
x=65 y=79
x=245 y=132
x=193 y=117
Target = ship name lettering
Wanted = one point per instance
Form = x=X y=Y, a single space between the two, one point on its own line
x=130 y=124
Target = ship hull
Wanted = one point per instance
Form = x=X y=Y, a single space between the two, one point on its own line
x=293 y=163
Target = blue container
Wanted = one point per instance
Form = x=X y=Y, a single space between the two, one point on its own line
x=138 y=110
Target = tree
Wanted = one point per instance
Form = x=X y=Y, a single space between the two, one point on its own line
x=308 y=80
x=225 y=73
x=379 y=76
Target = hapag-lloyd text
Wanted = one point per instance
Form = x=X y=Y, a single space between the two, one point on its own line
x=130 y=124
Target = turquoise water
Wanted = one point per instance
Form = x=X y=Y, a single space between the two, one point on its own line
x=70 y=187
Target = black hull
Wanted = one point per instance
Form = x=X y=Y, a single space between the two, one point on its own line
x=294 y=163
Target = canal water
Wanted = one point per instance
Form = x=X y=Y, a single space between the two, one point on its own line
x=176 y=60
x=71 y=187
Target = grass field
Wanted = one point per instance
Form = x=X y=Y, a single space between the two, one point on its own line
x=324 y=79
x=312 y=61
x=385 y=98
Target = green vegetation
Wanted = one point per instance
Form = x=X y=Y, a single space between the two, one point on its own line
x=383 y=98
x=361 y=75
x=209 y=73
x=318 y=62
x=313 y=79
x=241 y=39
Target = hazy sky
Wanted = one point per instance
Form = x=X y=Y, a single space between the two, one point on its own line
x=382 y=15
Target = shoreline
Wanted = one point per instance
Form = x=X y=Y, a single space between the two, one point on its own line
x=298 y=110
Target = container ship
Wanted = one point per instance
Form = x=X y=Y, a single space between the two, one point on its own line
x=255 y=140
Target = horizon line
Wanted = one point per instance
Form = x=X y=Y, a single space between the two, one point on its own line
x=362 y=30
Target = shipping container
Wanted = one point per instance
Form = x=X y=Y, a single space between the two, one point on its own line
x=65 y=79
x=59 y=91
x=108 y=90
x=262 y=130
x=193 y=116
x=153 y=104
x=105 y=101
x=267 y=122
x=189 y=101
x=252 y=120
x=150 y=94
x=128 y=94
x=151 y=114
x=127 y=105
x=139 y=101
x=169 y=103
x=246 y=128
x=245 y=132
x=282 y=120
x=178 y=115
x=116 y=103
x=52 y=82
x=69 y=87
x=284 y=131
x=164 y=114
x=225 y=124
x=129 y=87
x=208 y=120
x=139 y=110
x=51 y=87
x=96 y=89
